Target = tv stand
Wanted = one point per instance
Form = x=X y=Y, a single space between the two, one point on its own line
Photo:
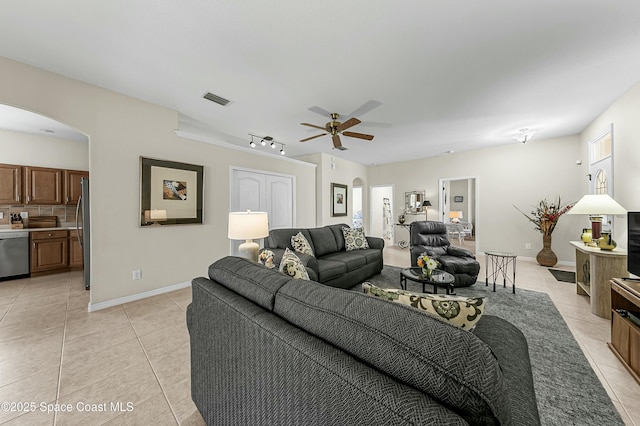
x=625 y=334
x=635 y=280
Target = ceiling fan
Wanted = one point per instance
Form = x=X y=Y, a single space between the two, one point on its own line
x=336 y=128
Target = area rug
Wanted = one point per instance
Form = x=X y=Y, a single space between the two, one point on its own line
x=564 y=276
x=567 y=389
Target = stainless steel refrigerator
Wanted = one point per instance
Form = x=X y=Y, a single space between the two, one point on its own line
x=83 y=223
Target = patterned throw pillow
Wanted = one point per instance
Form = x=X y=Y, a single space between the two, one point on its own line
x=354 y=239
x=463 y=312
x=292 y=266
x=301 y=245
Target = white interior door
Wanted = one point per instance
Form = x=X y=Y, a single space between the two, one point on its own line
x=264 y=192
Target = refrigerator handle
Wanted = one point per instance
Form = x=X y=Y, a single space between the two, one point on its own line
x=77 y=217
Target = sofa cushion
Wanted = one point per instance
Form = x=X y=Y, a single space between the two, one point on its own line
x=324 y=241
x=354 y=239
x=372 y=255
x=450 y=364
x=292 y=266
x=330 y=269
x=463 y=312
x=281 y=238
x=353 y=260
x=300 y=244
x=253 y=281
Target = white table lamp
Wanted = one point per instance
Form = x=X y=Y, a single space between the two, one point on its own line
x=248 y=226
x=455 y=216
x=596 y=205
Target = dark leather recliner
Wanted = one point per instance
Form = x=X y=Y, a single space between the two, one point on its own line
x=431 y=238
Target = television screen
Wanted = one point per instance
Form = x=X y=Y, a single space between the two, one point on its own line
x=633 y=255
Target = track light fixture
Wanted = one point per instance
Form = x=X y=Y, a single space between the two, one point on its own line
x=263 y=141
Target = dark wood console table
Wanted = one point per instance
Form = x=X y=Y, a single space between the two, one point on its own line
x=625 y=333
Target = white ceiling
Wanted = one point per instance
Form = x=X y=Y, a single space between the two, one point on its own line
x=449 y=75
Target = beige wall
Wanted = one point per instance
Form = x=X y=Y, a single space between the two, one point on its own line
x=625 y=116
x=121 y=129
x=344 y=172
x=32 y=150
x=515 y=174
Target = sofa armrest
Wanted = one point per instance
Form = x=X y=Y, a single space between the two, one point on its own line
x=375 y=243
x=460 y=252
x=310 y=263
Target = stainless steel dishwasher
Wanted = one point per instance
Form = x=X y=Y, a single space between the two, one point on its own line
x=14 y=253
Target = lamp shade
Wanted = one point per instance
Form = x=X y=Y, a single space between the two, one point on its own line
x=597 y=204
x=248 y=225
x=456 y=214
x=426 y=203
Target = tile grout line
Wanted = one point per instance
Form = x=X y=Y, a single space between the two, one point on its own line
x=64 y=335
x=155 y=374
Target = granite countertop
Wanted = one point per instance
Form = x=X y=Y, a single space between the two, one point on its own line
x=62 y=227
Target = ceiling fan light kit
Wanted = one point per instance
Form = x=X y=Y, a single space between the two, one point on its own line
x=523 y=135
x=263 y=141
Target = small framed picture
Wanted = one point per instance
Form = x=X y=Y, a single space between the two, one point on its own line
x=458 y=198
x=338 y=200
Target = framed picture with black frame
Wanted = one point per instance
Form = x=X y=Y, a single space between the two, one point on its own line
x=338 y=200
x=171 y=193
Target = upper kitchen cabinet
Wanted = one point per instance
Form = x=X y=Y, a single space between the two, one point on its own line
x=42 y=185
x=10 y=184
x=72 y=189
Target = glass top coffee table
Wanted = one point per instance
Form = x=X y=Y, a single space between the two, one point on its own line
x=438 y=278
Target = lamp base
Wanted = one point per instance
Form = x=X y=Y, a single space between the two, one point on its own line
x=249 y=250
x=596 y=227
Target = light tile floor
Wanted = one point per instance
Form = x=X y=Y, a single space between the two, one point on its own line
x=52 y=351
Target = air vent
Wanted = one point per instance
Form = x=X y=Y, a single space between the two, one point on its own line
x=215 y=98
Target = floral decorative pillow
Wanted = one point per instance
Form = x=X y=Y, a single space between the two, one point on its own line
x=463 y=312
x=354 y=239
x=301 y=245
x=292 y=266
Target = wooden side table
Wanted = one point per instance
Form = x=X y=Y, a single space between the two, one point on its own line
x=594 y=270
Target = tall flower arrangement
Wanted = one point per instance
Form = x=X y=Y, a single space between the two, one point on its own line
x=546 y=215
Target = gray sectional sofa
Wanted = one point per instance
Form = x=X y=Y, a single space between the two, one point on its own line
x=331 y=264
x=270 y=350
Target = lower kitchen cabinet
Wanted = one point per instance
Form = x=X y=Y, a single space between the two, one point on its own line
x=75 y=250
x=55 y=251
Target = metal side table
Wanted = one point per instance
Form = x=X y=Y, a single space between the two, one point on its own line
x=500 y=261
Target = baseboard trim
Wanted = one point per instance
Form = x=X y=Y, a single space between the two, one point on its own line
x=132 y=298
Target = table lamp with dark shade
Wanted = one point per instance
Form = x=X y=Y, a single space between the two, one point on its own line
x=248 y=226
x=426 y=204
x=597 y=205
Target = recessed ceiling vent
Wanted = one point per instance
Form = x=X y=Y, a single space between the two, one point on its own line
x=215 y=98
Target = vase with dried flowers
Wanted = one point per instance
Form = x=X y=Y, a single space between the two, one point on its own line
x=545 y=218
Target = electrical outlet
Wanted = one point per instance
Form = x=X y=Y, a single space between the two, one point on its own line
x=136 y=274
x=24 y=215
x=1 y=215
x=527 y=246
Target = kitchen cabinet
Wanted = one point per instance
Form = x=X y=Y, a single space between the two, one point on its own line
x=42 y=185
x=72 y=189
x=49 y=250
x=10 y=184
x=75 y=250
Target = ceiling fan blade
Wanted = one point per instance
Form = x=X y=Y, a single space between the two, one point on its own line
x=322 y=112
x=368 y=106
x=313 y=125
x=358 y=135
x=336 y=141
x=347 y=124
x=312 y=137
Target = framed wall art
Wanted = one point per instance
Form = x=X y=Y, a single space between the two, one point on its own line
x=171 y=193
x=458 y=198
x=338 y=200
